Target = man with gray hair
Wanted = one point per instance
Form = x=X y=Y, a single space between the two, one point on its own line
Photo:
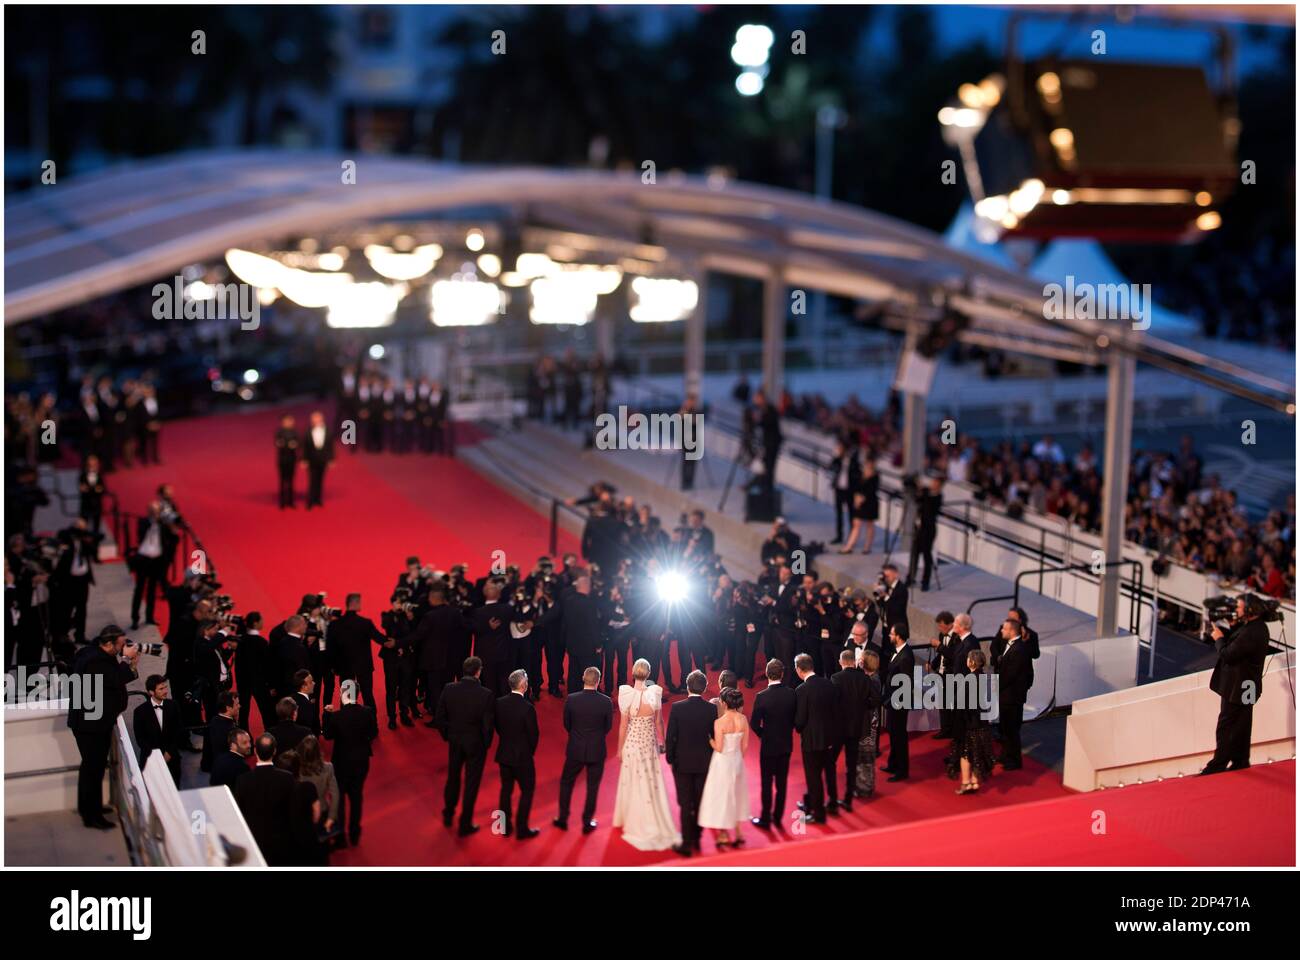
x=517 y=735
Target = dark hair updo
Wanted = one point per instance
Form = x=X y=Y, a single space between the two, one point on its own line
x=732 y=698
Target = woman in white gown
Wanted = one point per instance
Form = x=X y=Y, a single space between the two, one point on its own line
x=641 y=805
x=725 y=804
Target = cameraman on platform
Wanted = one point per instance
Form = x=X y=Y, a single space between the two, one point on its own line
x=104 y=668
x=925 y=526
x=1238 y=679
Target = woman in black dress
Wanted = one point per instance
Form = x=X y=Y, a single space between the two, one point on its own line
x=866 y=506
x=972 y=744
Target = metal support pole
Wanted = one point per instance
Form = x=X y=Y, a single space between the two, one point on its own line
x=913 y=433
x=1119 y=441
x=605 y=336
x=775 y=309
x=693 y=357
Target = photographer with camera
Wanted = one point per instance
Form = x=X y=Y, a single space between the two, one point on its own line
x=436 y=640
x=1238 y=679
x=156 y=540
x=74 y=574
x=398 y=658
x=888 y=607
x=30 y=563
x=103 y=669
x=415 y=582
x=212 y=655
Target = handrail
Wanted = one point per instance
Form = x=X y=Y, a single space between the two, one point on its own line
x=1135 y=591
x=556 y=502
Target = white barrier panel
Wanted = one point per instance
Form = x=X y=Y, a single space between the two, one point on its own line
x=1166 y=729
x=37 y=739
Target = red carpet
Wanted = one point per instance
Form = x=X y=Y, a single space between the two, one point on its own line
x=1232 y=820
x=379 y=509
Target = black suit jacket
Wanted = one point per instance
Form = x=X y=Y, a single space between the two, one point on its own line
x=817 y=715
x=308 y=712
x=1015 y=673
x=689 y=739
x=227 y=768
x=314 y=455
x=775 y=709
x=265 y=798
x=97 y=667
x=465 y=715
x=351 y=727
x=350 y=637
x=493 y=644
x=216 y=740
x=287 y=735
x=517 y=733
x=588 y=717
x=1241 y=662
x=893 y=666
x=441 y=632
x=853 y=690
x=149 y=737
x=961 y=650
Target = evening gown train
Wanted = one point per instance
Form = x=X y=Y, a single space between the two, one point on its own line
x=641 y=805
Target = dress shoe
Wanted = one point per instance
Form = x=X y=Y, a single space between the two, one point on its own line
x=392 y=724
x=761 y=823
x=1012 y=766
x=527 y=833
x=447 y=817
x=431 y=725
x=682 y=850
x=588 y=827
x=99 y=823
x=354 y=838
x=407 y=721
x=469 y=830
x=846 y=805
x=897 y=777
x=507 y=831
x=135 y=624
x=809 y=818
x=560 y=824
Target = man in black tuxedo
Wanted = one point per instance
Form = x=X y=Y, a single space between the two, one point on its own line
x=254 y=672
x=157 y=725
x=288 y=732
x=852 y=689
x=769 y=424
x=893 y=603
x=352 y=727
x=265 y=798
x=318 y=454
x=689 y=749
x=1015 y=670
x=899 y=681
x=775 y=709
x=784 y=604
x=107 y=665
x=440 y=632
x=588 y=717
x=74 y=574
x=492 y=641
x=817 y=718
x=304 y=685
x=464 y=717
x=517 y=735
x=287 y=447
x=350 y=636
x=966 y=643
x=943 y=662
x=1238 y=679
x=579 y=622
x=216 y=737
x=289 y=654
x=232 y=763
x=925 y=526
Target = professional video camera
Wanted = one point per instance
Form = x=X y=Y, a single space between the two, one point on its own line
x=402 y=600
x=1221 y=612
x=324 y=610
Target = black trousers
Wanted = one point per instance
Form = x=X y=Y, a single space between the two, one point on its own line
x=71 y=598
x=783 y=644
x=850 y=750
x=553 y=645
x=524 y=774
x=773 y=773
x=829 y=655
x=651 y=650
x=896 y=723
x=248 y=695
x=569 y=776
x=1010 y=717
x=315 y=484
x=922 y=548
x=615 y=663
x=688 y=473
x=690 y=791
x=399 y=685
x=1232 y=735
x=150 y=577
x=93 y=746
x=843 y=510
x=434 y=681
x=458 y=760
x=286 y=485
x=579 y=660
x=365 y=688
x=351 y=787
x=815 y=764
